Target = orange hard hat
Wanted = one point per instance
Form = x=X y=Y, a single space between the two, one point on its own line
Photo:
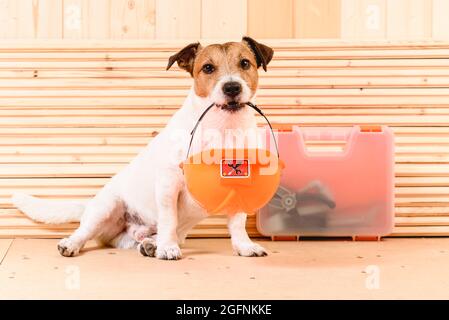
x=232 y=180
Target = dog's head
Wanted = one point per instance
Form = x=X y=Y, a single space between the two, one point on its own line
x=226 y=73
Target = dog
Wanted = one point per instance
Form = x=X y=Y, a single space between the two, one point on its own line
x=146 y=205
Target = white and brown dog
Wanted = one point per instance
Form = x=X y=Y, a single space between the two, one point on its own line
x=147 y=205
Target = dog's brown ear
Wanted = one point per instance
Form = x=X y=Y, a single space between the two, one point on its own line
x=263 y=53
x=186 y=57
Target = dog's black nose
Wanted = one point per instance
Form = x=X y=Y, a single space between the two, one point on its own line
x=232 y=89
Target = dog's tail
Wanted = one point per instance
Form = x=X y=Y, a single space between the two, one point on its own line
x=48 y=211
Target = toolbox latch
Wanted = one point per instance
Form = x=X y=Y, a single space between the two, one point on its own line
x=366 y=238
x=284 y=238
x=371 y=128
x=283 y=127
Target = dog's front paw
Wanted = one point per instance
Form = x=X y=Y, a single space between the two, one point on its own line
x=68 y=248
x=250 y=249
x=168 y=252
x=147 y=247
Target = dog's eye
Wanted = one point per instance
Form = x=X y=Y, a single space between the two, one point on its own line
x=244 y=63
x=208 y=68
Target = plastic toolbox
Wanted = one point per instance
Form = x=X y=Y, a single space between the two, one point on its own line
x=336 y=182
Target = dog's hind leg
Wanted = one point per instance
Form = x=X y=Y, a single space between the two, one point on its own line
x=137 y=236
x=144 y=238
x=124 y=241
x=147 y=246
x=103 y=218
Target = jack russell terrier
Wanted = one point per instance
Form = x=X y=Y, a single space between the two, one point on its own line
x=146 y=205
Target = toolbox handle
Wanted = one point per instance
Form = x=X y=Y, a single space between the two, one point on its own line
x=335 y=134
x=346 y=134
x=325 y=134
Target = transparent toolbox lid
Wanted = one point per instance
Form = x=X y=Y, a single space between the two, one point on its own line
x=336 y=182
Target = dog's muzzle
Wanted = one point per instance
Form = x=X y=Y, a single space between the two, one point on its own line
x=232 y=91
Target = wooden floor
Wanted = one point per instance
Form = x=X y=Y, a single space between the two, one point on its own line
x=406 y=268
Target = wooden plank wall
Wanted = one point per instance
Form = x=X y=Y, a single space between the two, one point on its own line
x=72 y=113
x=84 y=89
x=194 y=19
